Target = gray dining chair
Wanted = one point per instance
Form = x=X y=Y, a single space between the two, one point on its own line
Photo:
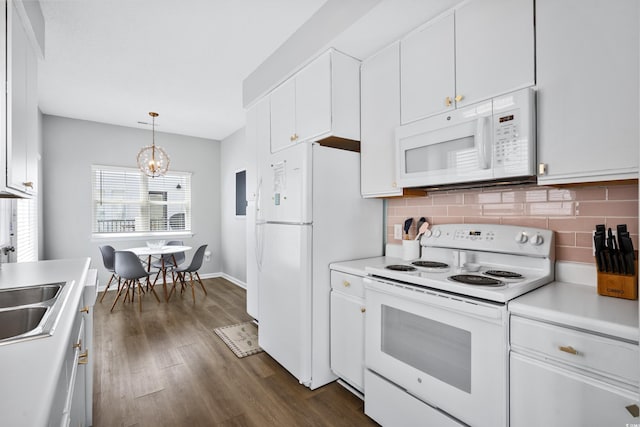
x=192 y=269
x=129 y=268
x=108 y=259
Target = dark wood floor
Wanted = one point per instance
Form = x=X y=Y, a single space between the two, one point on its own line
x=166 y=367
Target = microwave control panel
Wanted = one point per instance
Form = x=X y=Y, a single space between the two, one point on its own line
x=508 y=142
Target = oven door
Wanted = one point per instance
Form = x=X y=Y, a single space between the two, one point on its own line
x=447 y=148
x=448 y=351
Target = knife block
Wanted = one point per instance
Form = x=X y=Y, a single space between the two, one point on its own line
x=619 y=285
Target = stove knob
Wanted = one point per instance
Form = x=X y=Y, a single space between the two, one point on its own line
x=537 y=240
x=437 y=232
x=427 y=234
x=521 y=237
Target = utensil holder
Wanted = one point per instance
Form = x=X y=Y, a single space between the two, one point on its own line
x=619 y=285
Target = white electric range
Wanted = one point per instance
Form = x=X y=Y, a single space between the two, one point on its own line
x=437 y=327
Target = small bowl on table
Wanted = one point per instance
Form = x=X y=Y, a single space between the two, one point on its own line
x=156 y=244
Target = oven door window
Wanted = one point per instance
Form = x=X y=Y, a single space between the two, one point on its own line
x=437 y=349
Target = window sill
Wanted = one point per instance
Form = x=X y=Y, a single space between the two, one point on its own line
x=96 y=237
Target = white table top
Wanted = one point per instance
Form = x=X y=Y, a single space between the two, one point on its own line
x=164 y=250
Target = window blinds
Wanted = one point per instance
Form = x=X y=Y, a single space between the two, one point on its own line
x=127 y=201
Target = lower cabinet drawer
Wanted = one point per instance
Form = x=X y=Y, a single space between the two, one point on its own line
x=347 y=283
x=545 y=395
x=584 y=350
x=391 y=406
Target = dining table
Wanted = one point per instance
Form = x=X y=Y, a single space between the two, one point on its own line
x=150 y=252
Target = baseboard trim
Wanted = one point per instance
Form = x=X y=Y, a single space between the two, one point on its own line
x=232 y=279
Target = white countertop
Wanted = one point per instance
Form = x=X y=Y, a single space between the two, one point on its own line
x=357 y=266
x=29 y=370
x=580 y=306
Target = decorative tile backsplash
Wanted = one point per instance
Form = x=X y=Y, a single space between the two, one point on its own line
x=572 y=212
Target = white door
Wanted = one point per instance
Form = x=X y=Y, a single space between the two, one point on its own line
x=494 y=48
x=347 y=338
x=427 y=70
x=313 y=98
x=380 y=116
x=285 y=297
x=283 y=115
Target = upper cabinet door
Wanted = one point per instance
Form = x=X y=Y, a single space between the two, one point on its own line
x=587 y=65
x=380 y=94
x=283 y=116
x=313 y=98
x=494 y=48
x=427 y=70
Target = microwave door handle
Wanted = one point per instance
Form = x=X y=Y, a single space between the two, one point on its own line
x=481 y=145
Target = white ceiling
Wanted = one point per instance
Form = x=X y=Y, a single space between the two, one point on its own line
x=113 y=61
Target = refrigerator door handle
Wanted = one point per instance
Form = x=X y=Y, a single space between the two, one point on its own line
x=258 y=229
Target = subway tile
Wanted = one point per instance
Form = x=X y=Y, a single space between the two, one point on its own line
x=504 y=209
x=434 y=211
x=535 y=195
x=419 y=201
x=396 y=202
x=608 y=208
x=575 y=224
x=567 y=238
x=560 y=194
x=550 y=209
x=464 y=210
x=632 y=223
x=584 y=240
x=526 y=221
x=447 y=220
x=476 y=198
x=448 y=199
x=622 y=192
x=590 y=193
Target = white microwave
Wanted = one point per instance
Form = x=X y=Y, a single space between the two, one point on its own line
x=487 y=141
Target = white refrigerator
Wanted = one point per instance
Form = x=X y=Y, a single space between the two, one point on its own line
x=309 y=213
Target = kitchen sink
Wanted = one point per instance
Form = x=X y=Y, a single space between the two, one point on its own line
x=29 y=295
x=31 y=311
x=20 y=321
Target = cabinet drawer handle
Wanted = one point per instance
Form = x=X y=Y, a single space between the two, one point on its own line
x=28 y=184
x=83 y=359
x=85 y=309
x=363 y=309
x=459 y=98
x=293 y=137
x=447 y=101
x=542 y=169
x=346 y=284
x=568 y=349
x=633 y=410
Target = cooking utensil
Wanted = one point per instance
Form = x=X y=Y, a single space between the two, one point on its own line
x=422 y=227
x=599 y=243
x=407 y=226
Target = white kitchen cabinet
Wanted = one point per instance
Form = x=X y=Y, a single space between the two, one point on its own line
x=428 y=70
x=587 y=83
x=320 y=102
x=594 y=378
x=479 y=50
x=380 y=115
x=347 y=328
x=22 y=104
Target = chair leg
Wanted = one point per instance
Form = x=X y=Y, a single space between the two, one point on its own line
x=139 y=294
x=119 y=292
x=201 y=284
x=193 y=288
x=152 y=288
x=108 y=284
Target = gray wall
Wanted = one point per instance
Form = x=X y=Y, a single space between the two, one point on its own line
x=70 y=148
x=233 y=231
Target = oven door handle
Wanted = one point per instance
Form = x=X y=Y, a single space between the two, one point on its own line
x=482 y=142
x=487 y=311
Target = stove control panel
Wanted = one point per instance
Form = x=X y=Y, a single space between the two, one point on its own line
x=492 y=238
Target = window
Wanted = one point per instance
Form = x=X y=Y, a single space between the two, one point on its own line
x=241 y=193
x=26 y=230
x=129 y=203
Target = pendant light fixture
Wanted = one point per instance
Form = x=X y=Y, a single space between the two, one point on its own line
x=153 y=161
